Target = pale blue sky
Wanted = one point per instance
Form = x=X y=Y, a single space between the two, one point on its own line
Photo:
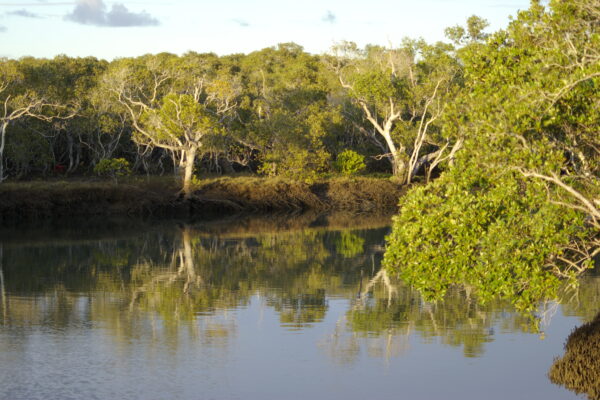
x=107 y=29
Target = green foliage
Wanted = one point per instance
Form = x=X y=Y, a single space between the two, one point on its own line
x=179 y=119
x=27 y=151
x=299 y=163
x=286 y=116
x=350 y=162
x=472 y=33
x=113 y=167
x=492 y=233
x=294 y=142
x=485 y=224
x=376 y=86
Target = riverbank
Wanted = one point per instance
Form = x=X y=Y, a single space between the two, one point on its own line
x=160 y=196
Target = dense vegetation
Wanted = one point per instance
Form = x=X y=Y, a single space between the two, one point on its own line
x=509 y=120
x=277 y=111
x=520 y=206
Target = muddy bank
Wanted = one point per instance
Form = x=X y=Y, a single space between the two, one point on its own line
x=358 y=195
x=223 y=196
x=579 y=369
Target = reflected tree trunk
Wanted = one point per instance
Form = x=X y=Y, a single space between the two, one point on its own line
x=182 y=269
x=188 y=262
x=382 y=276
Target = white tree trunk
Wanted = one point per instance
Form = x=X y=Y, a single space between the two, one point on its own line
x=397 y=163
x=190 y=158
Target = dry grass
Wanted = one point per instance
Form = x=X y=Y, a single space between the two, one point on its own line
x=160 y=196
x=363 y=195
x=78 y=198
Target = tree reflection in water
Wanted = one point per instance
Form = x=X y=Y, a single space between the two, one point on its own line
x=388 y=312
x=178 y=279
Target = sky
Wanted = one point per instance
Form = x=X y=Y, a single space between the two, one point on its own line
x=108 y=30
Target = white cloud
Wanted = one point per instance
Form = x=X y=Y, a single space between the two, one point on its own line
x=23 y=13
x=329 y=17
x=241 y=22
x=94 y=12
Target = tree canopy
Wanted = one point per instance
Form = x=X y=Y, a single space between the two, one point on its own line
x=519 y=207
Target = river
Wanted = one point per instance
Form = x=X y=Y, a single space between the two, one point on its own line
x=256 y=308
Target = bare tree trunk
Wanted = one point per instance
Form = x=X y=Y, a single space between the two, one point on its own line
x=457 y=146
x=398 y=168
x=414 y=164
x=420 y=163
x=77 y=157
x=190 y=157
x=70 y=145
x=398 y=165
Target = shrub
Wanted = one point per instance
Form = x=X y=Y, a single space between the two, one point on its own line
x=350 y=162
x=113 y=167
x=300 y=164
x=492 y=232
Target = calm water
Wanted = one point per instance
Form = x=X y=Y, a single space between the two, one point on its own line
x=255 y=309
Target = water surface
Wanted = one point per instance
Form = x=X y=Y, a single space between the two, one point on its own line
x=256 y=309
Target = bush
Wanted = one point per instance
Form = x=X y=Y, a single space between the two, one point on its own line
x=297 y=163
x=350 y=162
x=113 y=167
x=492 y=232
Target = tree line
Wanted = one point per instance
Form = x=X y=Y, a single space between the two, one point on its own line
x=511 y=119
x=277 y=111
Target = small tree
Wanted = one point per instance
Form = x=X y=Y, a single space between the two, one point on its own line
x=113 y=167
x=350 y=162
x=181 y=124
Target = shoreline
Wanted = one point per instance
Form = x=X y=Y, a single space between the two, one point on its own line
x=138 y=197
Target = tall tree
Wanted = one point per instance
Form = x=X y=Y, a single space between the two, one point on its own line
x=286 y=116
x=174 y=103
x=403 y=93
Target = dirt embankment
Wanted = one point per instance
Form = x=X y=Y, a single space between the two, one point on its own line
x=362 y=195
x=217 y=196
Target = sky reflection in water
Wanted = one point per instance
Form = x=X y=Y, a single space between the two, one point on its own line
x=255 y=309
